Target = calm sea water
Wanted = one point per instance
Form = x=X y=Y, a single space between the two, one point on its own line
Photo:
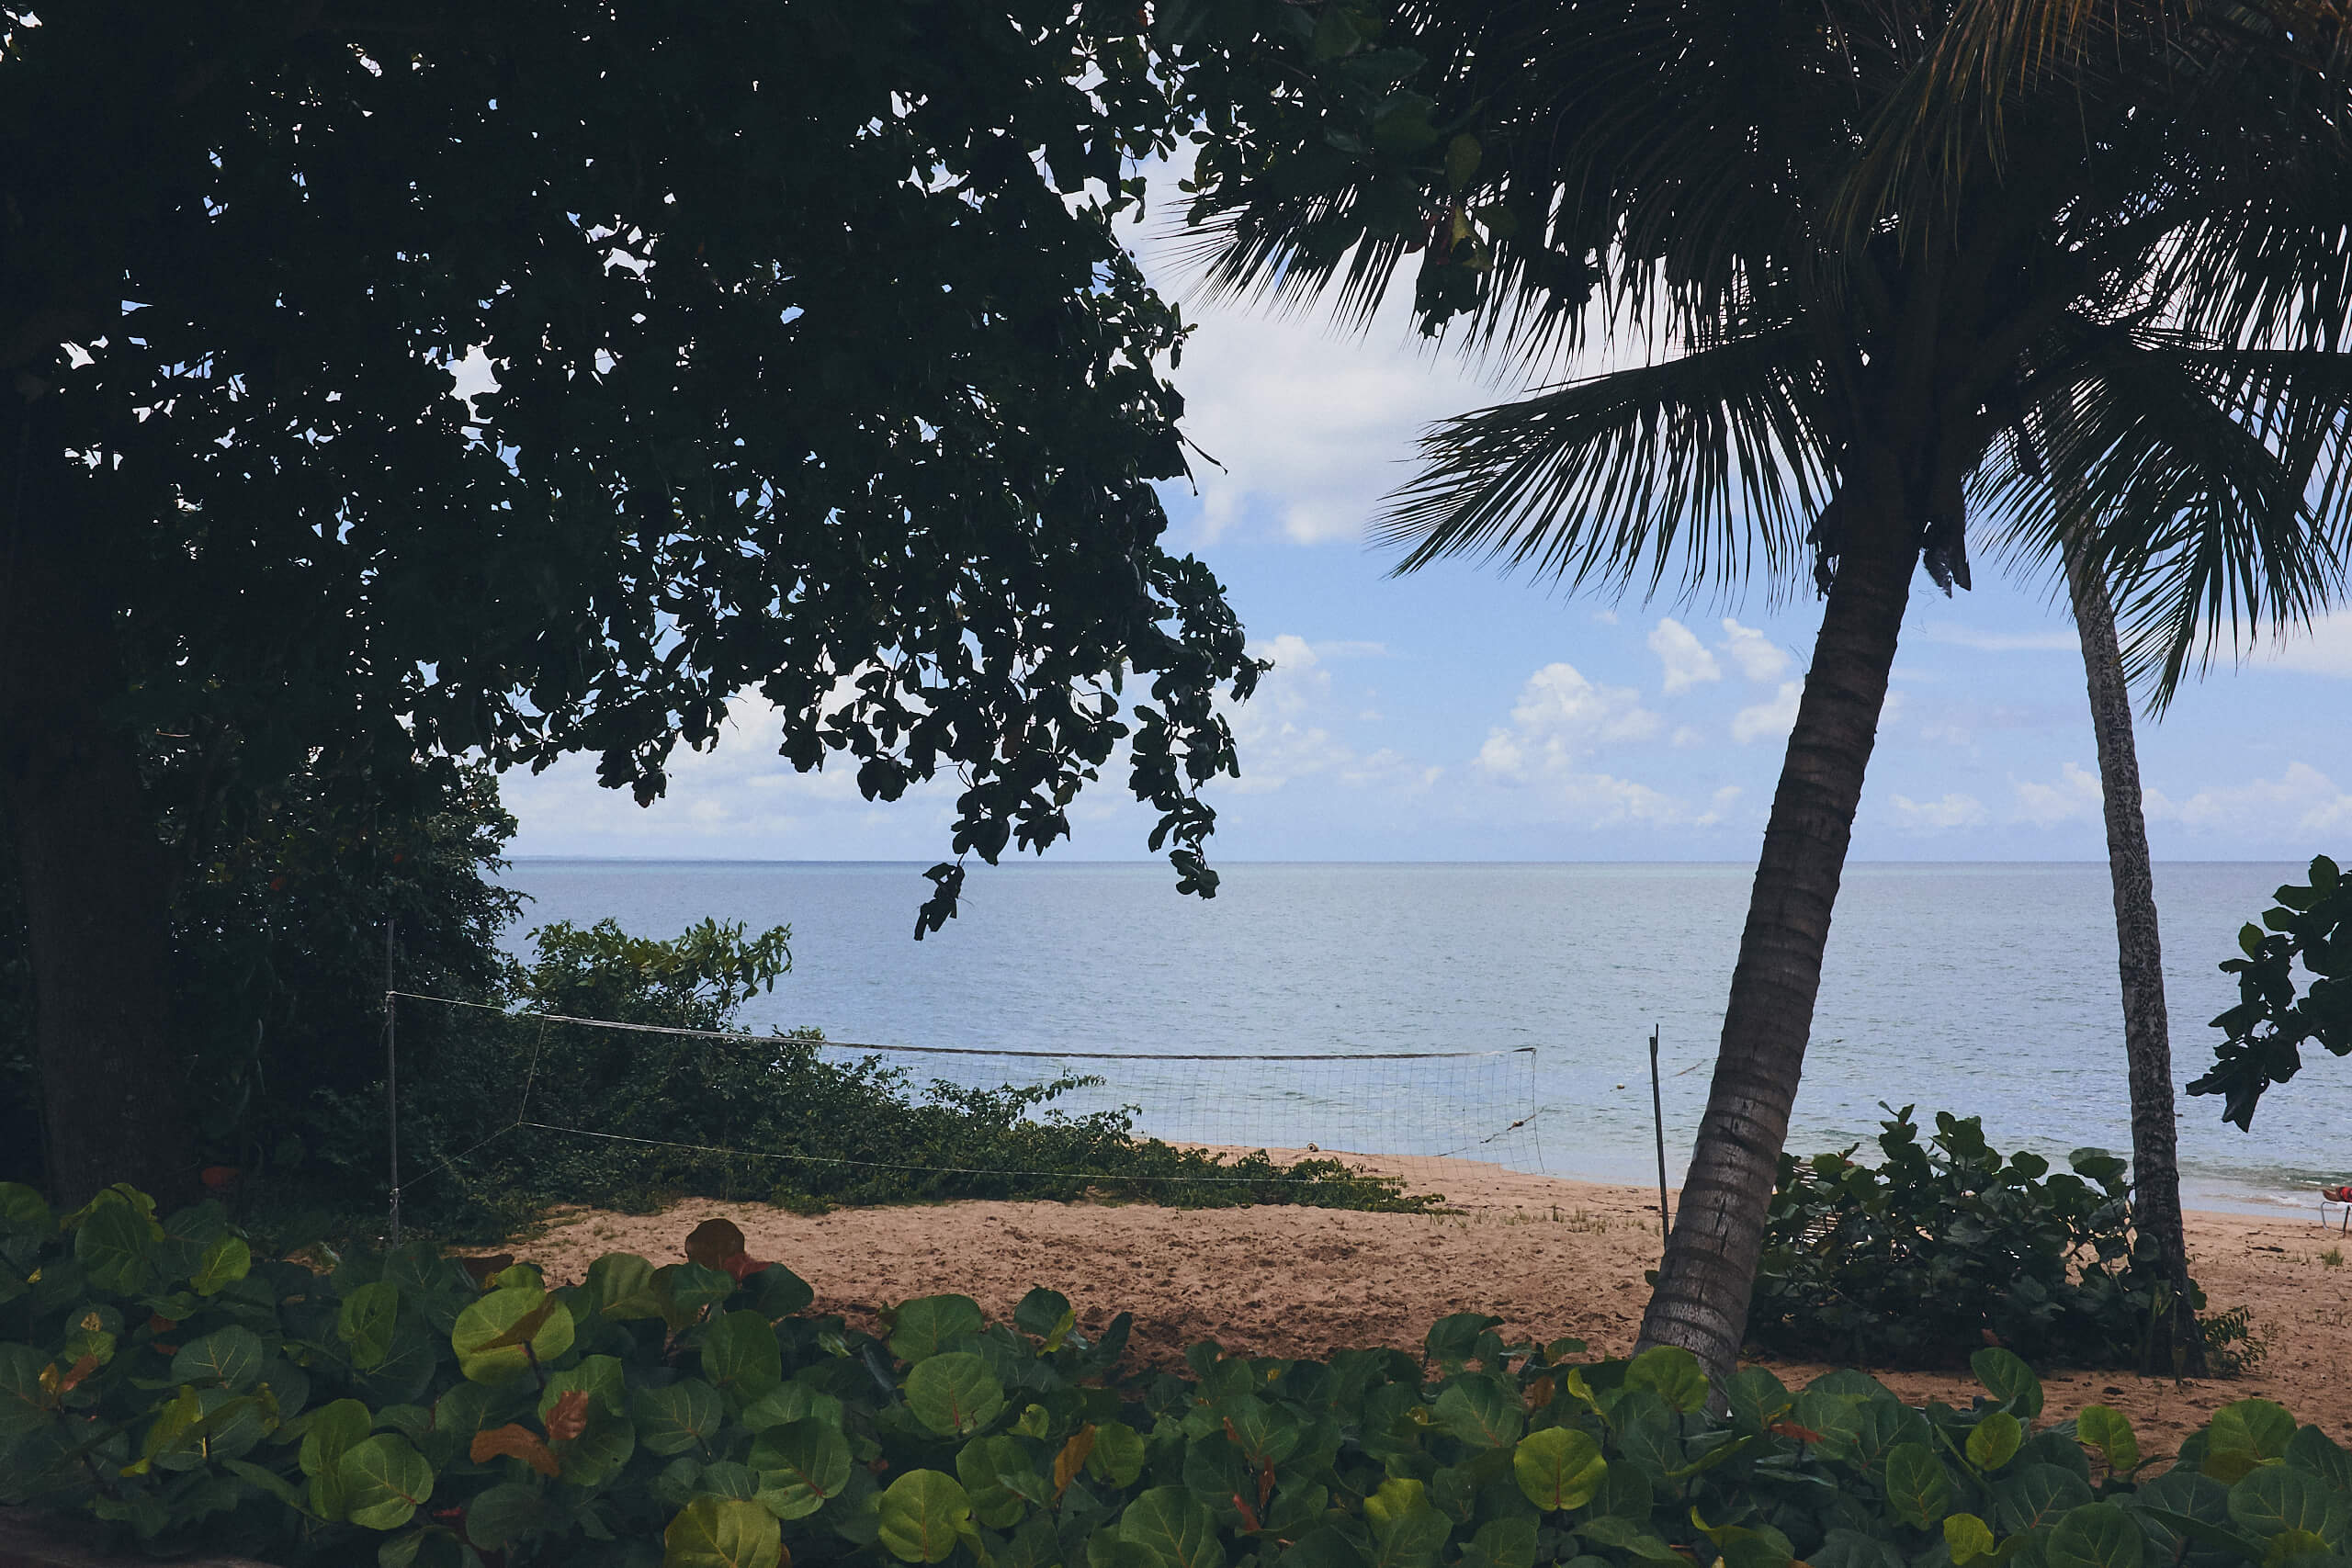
x=1984 y=989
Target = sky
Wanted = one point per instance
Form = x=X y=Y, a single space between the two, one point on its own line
x=1463 y=715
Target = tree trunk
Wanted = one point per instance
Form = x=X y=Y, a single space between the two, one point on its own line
x=1704 y=1283
x=2147 y=1032
x=96 y=883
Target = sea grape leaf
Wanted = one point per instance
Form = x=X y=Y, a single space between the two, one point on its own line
x=24 y=1212
x=687 y=1414
x=924 y=1513
x=2314 y=1451
x=1481 y=1412
x=1994 y=1441
x=224 y=1261
x=921 y=1328
x=1559 y=1468
x=366 y=1323
x=1967 y=1538
x=24 y=1404
x=1757 y=1398
x=723 y=1533
x=777 y=1291
x=227 y=1358
x=385 y=1481
x=2109 y=1432
x=2096 y=1535
x=1118 y=1455
x=621 y=1286
x=982 y=1465
x=507 y=1515
x=1917 y=1487
x=1176 y=1530
x=954 y=1393
x=2255 y=1428
x=2039 y=1494
x=1407 y=1531
x=2277 y=1497
x=686 y=1290
x=330 y=1432
x=1672 y=1373
x=1502 y=1543
x=802 y=1465
x=114 y=1245
x=742 y=1359
x=492 y=1332
x=1047 y=1315
x=714 y=1242
x=513 y=1440
x=791 y=1402
x=2009 y=1379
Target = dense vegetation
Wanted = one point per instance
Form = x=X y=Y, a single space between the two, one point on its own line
x=1944 y=1245
x=160 y=1377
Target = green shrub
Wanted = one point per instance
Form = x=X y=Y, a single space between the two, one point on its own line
x=160 y=1377
x=1945 y=1245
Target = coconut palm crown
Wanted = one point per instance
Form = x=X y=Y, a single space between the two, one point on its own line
x=2081 y=269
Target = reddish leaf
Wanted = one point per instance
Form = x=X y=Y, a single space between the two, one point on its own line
x=217 y=1177
x=516 y=1442
x=742 y=1266
x=568 y=1417
x=713 y=1242
x=159 y=1324
x=1790 y=1429
x=81 y=1369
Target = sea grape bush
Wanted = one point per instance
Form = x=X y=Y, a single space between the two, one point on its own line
x=1944 y=1245
x=2306 y=934
x=158 y=1375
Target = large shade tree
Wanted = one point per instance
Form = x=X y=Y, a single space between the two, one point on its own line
x=820 y=376
x=1877 y=265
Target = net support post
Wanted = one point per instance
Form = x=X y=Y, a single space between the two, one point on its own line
x=392 y=1092
x=1657 y=1121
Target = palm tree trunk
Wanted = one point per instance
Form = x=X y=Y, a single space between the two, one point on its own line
x=2147 y=1033
x=1700 y=1301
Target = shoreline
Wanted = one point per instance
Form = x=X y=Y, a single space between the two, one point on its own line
x=1550 y=1257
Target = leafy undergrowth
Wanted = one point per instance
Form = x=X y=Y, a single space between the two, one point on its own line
x=1946 y=1245
x=159 y=1377
x=505 y=1115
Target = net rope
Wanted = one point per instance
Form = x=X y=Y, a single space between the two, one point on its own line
x=1407 y=1112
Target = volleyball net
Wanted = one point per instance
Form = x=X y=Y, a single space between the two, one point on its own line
x=798 y=1116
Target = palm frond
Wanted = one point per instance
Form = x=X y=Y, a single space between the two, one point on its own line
x=1690 y=468
x=2211 y=482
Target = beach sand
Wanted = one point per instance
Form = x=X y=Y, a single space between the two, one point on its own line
x=1550 y=1257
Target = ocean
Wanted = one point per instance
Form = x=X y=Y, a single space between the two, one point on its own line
x=1981 y=989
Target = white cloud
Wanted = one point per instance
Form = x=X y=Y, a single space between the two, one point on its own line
x=1686 y=658
x=2301 y=798
x=2076 y=795
x=1311 y=427
x=1562 y=718
x=2325 y=649
x=1954 y=810
x=1283 y=733
x=1758 y=658
x=738 y=799
x=1771 y=719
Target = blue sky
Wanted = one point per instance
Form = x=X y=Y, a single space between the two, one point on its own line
x=1460 y=714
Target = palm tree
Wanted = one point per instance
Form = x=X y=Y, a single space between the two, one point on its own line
x=1886 y=259
x=2140 y=964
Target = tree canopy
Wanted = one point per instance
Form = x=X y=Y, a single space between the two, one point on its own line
x=819 y=376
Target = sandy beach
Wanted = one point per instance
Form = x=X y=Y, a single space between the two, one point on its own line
x=1551 y=1258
